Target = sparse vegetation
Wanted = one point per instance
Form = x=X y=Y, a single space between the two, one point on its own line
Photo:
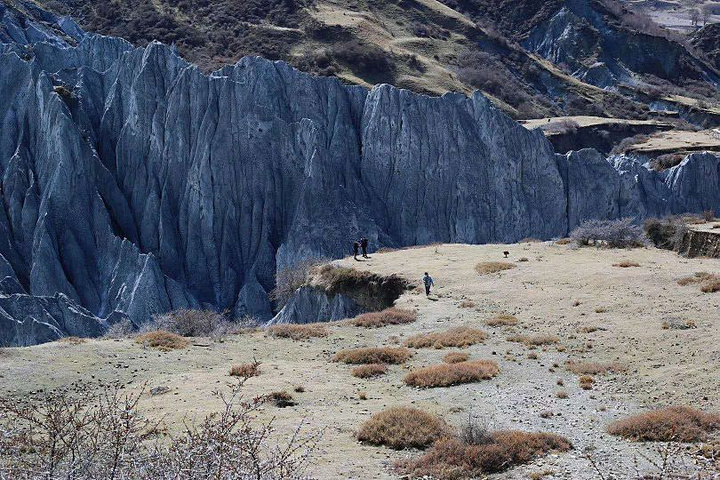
x=245 y=370
x=610 y=233
x=455 y=337
x=448 y=374
x=453 y=458
x=467 y=304
x=162 y=340
x=191 y=323
x=299 y=331
x=369 y=371
x=486 y=268
x=85 y=434
x=626 y=264
x=455 y=357
x=71 y=340
x=665 y=233
x=561 y=394
x=402 y=427
x=389 y=316
x=289 y=279
x=709 y=282
x=533 y=340
x=359 y=356
x=593 y=368
x=586 y=382
x=502 y=320
x=281 y=399
x=682 y=424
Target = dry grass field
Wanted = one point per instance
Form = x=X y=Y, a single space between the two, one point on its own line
x=575 y=315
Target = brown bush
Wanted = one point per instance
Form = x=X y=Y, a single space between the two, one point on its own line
x=389 y=316
x=467 y=304
x=563 y=241
x=448 y=374
x=626 y=264
x=402 y=427
x=162 y=340
x=455 y=357
x=454 y=337
x=358 y=356
x=370 y=370
x=709 y=283
x=452 y=458
x=534 y=340
x=586 y=382
x=593 y=368
x=562 y=394
x=281 y=399
x=681 y=424
x=502 y=320
x=299 y=331
x=71 y=340
x=485 y=268
x=245 y=370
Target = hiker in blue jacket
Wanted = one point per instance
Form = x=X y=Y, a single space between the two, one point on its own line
x=428 y=282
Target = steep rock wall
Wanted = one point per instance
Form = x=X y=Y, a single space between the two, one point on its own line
x=133 y=184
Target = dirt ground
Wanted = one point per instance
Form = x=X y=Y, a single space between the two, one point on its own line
x=554 y=289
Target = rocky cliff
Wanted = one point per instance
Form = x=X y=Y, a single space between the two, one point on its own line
x=133 y=184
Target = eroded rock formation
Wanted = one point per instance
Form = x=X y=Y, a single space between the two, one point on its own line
x=134 y=184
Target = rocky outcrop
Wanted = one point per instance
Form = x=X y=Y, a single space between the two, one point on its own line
x=605 y=45
x=133 y=184
x=698 y=243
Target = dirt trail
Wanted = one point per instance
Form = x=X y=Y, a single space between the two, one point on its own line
x=558 y=290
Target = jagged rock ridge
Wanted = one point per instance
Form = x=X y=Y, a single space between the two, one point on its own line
x=134 y=184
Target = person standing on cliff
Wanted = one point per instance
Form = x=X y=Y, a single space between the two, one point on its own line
x=356 y=249
x=364 y=246
x=428 y=282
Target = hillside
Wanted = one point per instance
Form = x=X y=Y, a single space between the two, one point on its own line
x=431 y=47
x=662 y=339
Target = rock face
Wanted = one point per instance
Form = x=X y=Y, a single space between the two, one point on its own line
x=133 y=184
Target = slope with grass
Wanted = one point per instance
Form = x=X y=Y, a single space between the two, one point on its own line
x=599 y=320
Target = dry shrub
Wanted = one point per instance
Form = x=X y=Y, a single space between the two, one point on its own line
x=485 y=268
x=83 y=434
x=455 y=337
x=611 y=233
x=289 y=279
x=359 y=356
x=162 y=340
x=192 y=323
x=626 y=264
x=389 y=316
x=588 y=329
x=402 y=427
x=593 y=368
x=71 y=340
x=533 y=340
x=563 y=241
x=299 y=332
x=467 y=304
x=452 y=458
x=122 y=329
x=709 y=282
x=601 y=310
x=561 y=394
x=586 y=382
x=455 y=357
x=502 y=320
x=281 y=399
x=245 y=370
x=523 y=259
x=369 y=371
x=447 y=374
x=711 y=285
x=681 y=424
